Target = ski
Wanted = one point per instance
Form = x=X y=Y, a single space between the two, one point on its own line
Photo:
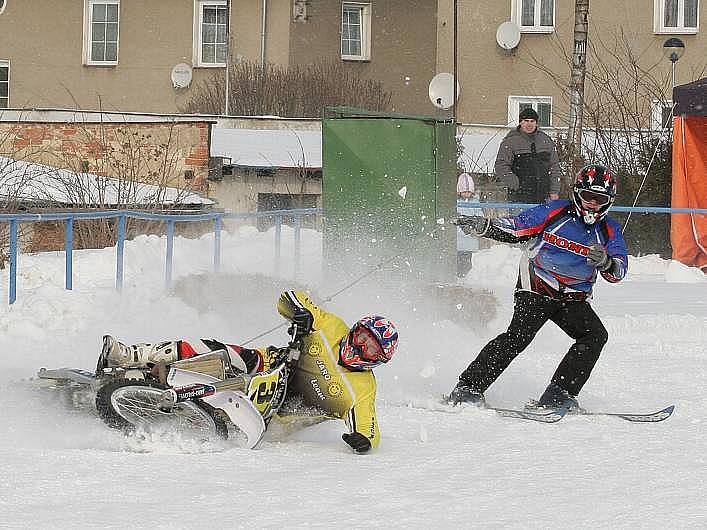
x=645 y=417
x=550 y=416
x=544 y=416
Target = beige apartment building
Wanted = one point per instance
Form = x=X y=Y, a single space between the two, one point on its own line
x=147 y=56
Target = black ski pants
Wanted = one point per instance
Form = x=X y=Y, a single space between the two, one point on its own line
x=530 y=313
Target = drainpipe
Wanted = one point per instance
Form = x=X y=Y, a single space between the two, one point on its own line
x=262 y=32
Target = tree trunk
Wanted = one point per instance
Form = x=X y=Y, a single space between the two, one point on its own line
x=579 y=66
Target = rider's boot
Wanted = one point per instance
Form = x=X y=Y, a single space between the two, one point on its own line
x=556 y=397
x=138 y=355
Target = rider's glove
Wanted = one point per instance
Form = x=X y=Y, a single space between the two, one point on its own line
x=598 y=258
x=471 y=224
x=303 y=320
x=358 y=442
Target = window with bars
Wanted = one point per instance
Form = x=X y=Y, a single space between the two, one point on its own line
x=534 y=16
x=102 y=19
x=4 y=84
x=676 y=16
x=211 y=32
x=540 y=104
x=355 y=31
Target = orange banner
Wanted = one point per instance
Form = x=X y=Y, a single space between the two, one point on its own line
x=688 y=232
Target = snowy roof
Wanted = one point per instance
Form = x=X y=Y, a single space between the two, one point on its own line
x=32 y=182
x=266 y=148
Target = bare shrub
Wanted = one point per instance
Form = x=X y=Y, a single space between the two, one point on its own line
x=294 y=91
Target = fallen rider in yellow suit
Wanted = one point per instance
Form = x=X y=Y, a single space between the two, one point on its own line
x=333 y=373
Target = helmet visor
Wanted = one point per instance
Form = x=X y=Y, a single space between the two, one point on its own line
x=601 y=199
x=367 y=343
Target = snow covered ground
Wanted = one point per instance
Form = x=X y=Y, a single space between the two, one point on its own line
x=437 y=469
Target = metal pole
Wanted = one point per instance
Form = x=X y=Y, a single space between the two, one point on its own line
x=69 y=247
x=228 y=54
x=120 y=250
x=454 y=66
x=13 y=262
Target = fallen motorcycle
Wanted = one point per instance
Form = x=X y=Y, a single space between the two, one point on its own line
x=203 y=396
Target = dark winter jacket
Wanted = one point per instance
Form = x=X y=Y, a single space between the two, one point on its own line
x=528 y=164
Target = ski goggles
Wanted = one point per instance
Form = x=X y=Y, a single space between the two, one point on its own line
x=601 y=199
x=367 y=343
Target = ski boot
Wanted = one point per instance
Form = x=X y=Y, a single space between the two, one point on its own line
x=463 y=393
x=555 y=397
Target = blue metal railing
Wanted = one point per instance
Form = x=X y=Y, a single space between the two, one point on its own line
x=217 y=218
x=171 y=220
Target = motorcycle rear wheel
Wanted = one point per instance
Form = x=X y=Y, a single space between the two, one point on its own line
x=128 y=404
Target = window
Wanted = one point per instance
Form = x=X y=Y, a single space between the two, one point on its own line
x=540 y=104
x=534 y=16
x=4 y=84
x=210 y=33
x=3 y=3
x=355 y=31
x=676 y=16
x=101 y=32
x=661 y=114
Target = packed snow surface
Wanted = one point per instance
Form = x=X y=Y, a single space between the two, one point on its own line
x=435 y=467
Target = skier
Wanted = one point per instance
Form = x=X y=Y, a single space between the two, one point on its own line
x=333 y=372
x=570 y=243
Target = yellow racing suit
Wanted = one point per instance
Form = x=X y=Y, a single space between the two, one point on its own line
x=320 y=379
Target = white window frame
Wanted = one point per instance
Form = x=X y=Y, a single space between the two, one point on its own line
x=517 y=17
x=197 y=58
x=88 y=34
x=365 y=9
x=657 y=106
x=6 y=64
x=659 y=26
x=514 y=107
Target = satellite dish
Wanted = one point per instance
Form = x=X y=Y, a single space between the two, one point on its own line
x=181 y=75
x=508 y=35
x=441 y=91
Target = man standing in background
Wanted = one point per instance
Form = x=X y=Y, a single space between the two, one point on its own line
x=527 y=162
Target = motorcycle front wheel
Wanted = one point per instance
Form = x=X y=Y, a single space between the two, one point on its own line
x=129 y=404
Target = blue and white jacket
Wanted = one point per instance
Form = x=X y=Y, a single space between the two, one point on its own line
x=555 y=263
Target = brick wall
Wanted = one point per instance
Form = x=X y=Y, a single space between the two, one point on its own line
x=163 y=153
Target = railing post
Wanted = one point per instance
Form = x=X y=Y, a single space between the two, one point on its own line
x=120 y=248
x=170 y=252
x=13 y=262
x=298 y=244
x=217 y=244
x=69 y=250
x=278 y=244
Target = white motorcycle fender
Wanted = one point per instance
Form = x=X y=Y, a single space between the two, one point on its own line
x=242 y=413
x=239 y=409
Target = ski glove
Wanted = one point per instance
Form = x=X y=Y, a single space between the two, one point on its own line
x=598 y=258
x=471 y=224
x=358 y=442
